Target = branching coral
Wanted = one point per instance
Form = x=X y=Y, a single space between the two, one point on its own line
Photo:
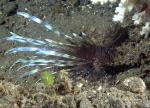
x=142 y=14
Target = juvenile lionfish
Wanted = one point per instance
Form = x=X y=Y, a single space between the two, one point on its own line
x=78 y=51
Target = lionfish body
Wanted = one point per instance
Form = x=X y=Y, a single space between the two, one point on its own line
x=50 y=54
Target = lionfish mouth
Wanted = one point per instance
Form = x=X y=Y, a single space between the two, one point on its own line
x=51 y=54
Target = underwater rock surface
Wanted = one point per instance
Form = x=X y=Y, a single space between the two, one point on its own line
x=71 y=16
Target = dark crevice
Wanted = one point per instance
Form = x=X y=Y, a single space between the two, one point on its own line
x=113 y=70
x=12 y=0
x=13 y=11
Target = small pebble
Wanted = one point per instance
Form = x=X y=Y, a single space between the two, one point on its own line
x=99 y=88
x=134 y=84
x=79 y=85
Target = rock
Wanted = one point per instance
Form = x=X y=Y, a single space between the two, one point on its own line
x=63 y=83
x=145 y=104
x=115 y=103
x=3 y=31
x=41 y=87
x=2 y=21
x=134 y=84
x=85 y=103
x=59 y=104
x=3 y=102
x=70 y=101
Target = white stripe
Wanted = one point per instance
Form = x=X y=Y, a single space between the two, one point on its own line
x=39 y=21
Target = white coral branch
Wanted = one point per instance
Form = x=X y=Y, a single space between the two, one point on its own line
x=125 y=6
